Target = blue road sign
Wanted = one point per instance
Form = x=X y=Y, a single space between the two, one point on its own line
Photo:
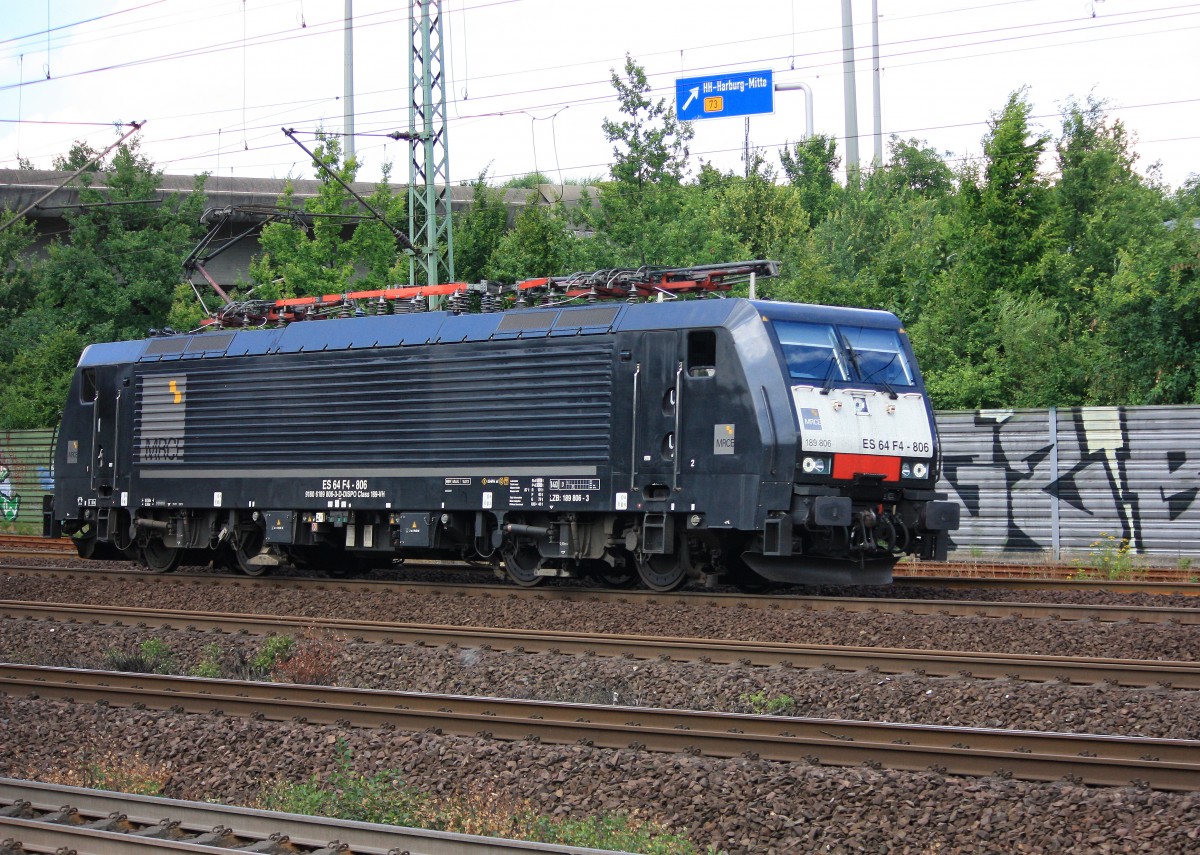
x=719 y=96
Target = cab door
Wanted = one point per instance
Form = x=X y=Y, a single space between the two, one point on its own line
x=102 y=382
x=656 y=415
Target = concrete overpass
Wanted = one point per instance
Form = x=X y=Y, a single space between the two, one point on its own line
x=22 y=187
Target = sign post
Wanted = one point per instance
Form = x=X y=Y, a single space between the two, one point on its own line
x=722 y=96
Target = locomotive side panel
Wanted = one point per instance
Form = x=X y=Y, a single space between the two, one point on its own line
x=464 y=427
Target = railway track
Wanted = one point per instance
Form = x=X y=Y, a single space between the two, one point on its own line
x=978 y=576
x=1043 y=572
x=30 y=546
x=1166 y=764
x=906 y=572
x=961 y=608
x=1042 y=583
x=50 y=818
x=934 y=663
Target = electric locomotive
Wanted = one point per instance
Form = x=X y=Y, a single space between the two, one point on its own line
x=706 y=440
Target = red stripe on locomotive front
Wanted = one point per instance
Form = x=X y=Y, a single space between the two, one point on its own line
x=846 y=466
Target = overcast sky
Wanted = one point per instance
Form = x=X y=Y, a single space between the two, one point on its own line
x=529 y=79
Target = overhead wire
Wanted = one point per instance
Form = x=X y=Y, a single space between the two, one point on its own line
x=199 y=51
x=607 y=97
x=287 y=35
x=72 y=24
x=327 y=27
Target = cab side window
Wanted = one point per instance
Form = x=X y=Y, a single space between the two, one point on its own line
x=87 y=386
x=702 y=353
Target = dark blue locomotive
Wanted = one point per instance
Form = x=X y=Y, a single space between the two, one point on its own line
x=696 y=440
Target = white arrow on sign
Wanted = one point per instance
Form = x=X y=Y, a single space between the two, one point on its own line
x=695 y=93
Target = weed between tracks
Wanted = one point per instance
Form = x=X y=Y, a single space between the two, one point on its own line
x=108 y=770
x=385 y=798
x=763 y=702
x=1110 y=558
x=310 y=660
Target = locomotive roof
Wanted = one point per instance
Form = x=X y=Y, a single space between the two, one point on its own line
x=447 y=328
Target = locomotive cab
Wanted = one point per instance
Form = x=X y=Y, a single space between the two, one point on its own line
x=865 y=450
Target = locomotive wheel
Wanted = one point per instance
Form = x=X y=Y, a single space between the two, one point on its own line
x=160 y=558
x=250 y=542
x=521 y=562
x=661 y=572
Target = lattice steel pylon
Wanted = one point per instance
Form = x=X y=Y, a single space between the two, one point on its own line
x=429 y=213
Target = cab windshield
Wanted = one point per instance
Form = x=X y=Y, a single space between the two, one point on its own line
x=826 y=354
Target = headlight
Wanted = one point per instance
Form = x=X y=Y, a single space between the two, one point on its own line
x=815 y=465
x=917 y=469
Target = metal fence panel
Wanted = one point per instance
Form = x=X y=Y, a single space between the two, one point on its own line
x=25 y=464
x=1060 y=481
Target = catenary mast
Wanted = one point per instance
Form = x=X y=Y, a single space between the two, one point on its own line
x=429 y=219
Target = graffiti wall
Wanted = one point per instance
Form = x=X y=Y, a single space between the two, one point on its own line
x=1059 y=480
x=25 y=477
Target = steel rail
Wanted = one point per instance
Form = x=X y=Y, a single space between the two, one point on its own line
x=20 y=545
x=1162 y=587
x=1133 y=673
x=247 y=825
x=1044 y=570
x=786 y=602
x=902 y=582
x=1167 y=764
x=1005 y=576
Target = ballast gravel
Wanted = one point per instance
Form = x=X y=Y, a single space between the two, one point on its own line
x=740 y=805
x=815 y=693
x=667 y=617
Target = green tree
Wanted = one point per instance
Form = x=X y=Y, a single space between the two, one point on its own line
x=995 y=239
x=650 y=152
x=884 y=238
x=915 y=169
x=1012 y=203
x=81 y=155
x=17 y=291
x=811 y=165
x=1185 y=203
x=311 y=254
x=1145 y=347
x=538 y=245
x=112 y=276
x=35 y=380
x=763 y=217
x=650 y=146
x=703 y=228
x=478 y=230
x=528 y=181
